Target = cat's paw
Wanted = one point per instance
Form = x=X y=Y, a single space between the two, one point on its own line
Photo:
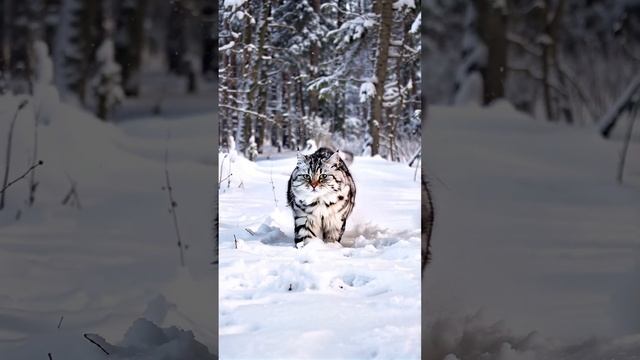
x=311 y=243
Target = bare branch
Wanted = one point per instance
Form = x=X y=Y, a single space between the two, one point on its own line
x=261 y=116
x=29 y=170
x=7 y=164
x=172 y=203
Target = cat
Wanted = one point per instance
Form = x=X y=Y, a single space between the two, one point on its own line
x=321 y=194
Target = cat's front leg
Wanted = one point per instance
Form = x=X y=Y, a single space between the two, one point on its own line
x=305 y=229
x=333 y=231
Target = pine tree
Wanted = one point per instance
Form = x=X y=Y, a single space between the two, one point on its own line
x=86 y=34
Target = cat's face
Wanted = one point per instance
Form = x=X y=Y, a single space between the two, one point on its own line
x=314 y=176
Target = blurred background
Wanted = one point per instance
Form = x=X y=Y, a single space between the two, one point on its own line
x=559 y=60
x=532 y=151
x=107 y=126
x=117 y=58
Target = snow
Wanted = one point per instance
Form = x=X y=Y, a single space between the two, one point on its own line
x=416 y=24
x=45 y=94
x=367 y=91
x=115 y=259
x=400 y=4
x=535 y=245
x=44 y=65
x=107 y=81
x=234 y=4
x=360 y=300
x=470 y=90
x=228 y=46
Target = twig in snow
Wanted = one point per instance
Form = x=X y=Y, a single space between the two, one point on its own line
x=72 y=197
x=29 y=170
x=250 y=231
x=627 y=140
x=33 y=184
x=225 y=178
x=416 y=156
x=86 y=336
x=172 y=202
x=60 y=322
x=273 y=188
x=7 y=164
x=221 y=168
x=235 y=241
x=49 y=355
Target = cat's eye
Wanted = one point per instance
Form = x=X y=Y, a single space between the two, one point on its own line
x=323 y=176
x=306 y=177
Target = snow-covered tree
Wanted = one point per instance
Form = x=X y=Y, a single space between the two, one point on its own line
x=85 y=32
x=107 y=81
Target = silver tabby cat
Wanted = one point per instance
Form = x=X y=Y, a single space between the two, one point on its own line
x=321 y=193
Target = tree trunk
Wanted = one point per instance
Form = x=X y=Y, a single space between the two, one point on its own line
x=492 y=29
x=313 y=64
x=545 y=57
x=385 y=11
x=247 y=119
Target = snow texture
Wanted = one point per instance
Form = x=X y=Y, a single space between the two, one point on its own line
x=357 y=301
x=234 y=4
x=86 y=263
x=535 y=244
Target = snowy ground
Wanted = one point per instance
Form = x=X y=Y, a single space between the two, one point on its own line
x=536 y=246
x=115 y=259
x=321 y=301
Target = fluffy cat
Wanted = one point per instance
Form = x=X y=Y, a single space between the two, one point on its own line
x=321 y=194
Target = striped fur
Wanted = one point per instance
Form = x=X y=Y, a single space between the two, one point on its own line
x=321 y=194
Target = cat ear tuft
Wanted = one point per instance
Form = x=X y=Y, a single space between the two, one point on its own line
x=301 y=158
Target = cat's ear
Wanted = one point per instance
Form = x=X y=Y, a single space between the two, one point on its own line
x=335 y=157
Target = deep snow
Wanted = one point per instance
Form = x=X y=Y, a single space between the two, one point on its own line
x=536 y=247
x=321 y=301
x=115 y=259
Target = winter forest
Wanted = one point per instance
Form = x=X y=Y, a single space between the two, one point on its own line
x=97 y=54
x=534 y=163
x=340 y=73
x=107 y=133
x=569 y=61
